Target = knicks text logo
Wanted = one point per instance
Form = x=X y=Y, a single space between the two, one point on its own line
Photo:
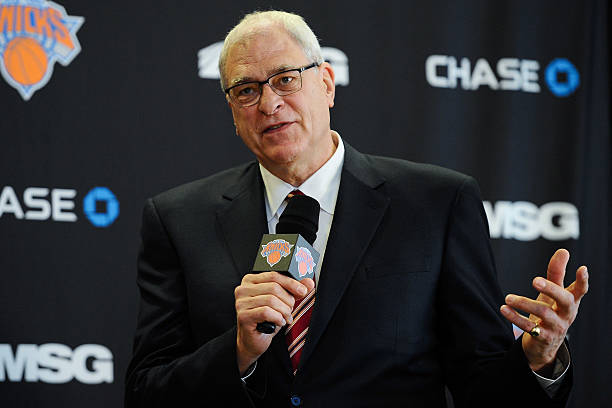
x=34 y=34
x=273 y=251
x=304 y=260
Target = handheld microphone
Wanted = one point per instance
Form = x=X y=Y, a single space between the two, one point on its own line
x=290 y=250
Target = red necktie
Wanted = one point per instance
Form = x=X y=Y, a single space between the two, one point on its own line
x=295 y=333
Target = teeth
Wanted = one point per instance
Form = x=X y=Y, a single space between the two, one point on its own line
x=275 y=127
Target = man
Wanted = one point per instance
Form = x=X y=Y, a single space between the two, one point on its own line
x=406 y=299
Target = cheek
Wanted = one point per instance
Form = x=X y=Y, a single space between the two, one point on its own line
x=242 y=124
x=319 y=107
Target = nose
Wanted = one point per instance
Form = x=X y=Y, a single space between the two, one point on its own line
x=269 y=101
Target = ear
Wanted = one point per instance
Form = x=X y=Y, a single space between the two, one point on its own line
x=233 y=113
x=329 y=86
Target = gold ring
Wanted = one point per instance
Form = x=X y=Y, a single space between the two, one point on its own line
x=535 y=332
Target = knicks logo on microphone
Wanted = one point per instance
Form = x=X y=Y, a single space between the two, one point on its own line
x=34 y=34
x=304 y=260
x=273 y=251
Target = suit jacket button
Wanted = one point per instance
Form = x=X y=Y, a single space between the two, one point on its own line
x=296 y=401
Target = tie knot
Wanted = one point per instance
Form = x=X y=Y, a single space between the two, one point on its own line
x=294 y=193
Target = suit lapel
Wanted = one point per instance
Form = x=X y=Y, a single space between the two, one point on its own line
x=359 y=210
x=243 y=219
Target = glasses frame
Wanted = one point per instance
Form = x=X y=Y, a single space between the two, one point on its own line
x=267 y=81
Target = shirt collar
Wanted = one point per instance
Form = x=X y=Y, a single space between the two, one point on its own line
x=322 y=185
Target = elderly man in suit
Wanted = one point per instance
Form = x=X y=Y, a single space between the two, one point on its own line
x=406 y=300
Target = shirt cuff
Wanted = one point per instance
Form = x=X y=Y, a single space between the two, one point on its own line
x=249 y=371
x=562 y=363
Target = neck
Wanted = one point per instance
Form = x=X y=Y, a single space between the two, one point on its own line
x=296 y=172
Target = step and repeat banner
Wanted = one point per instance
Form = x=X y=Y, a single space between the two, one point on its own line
x=104 y=104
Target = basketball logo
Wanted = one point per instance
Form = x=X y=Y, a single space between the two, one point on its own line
x=35 y=34
x=25 y=60
x=304 y=260
x=274 y=250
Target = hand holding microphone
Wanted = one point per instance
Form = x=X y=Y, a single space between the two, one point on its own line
x=265 y=298
x=290 y=250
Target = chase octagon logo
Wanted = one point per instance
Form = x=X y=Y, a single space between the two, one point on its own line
x=34 y=34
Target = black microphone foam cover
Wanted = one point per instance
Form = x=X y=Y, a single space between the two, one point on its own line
x=301 y=216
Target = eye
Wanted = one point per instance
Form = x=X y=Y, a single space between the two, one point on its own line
x=246 y=91
x=286 y=79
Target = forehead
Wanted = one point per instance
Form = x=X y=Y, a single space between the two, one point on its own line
x=260 y=54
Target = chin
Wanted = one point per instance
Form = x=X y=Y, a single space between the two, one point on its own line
x=282 y=154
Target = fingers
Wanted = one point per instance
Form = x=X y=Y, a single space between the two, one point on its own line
x=264 y=305
x=309 y=283
x=263 y=297
x=269 y=296
x=580 y=286
x=556 y=266
x=556 y=307
x=553 y=311
x=541 y=310
x=548 y=334
x=564 y=299
x=251 y=317
x=249 y=290
x=560 y=299
x=296 y=288
x=517 y=319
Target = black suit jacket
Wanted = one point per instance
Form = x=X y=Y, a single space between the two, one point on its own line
x=407 y=302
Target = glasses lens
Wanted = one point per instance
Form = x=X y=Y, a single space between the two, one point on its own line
x=245 y=94
x=286 y=82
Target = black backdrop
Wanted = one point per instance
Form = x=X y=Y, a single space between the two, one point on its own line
x=515 y=93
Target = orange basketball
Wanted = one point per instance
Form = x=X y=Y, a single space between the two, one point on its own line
x=302 y=268
x=25 y=60
x=274 y=257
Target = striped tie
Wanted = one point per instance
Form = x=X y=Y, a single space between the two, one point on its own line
x=295 y=333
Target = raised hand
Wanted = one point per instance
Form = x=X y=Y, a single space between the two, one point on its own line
x=550 y=314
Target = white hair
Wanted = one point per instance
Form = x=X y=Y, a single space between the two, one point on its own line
x=293 y=24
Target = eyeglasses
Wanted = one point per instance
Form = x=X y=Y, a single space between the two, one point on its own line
x=282 y=83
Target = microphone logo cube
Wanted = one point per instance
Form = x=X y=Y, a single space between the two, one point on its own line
x=289 y=254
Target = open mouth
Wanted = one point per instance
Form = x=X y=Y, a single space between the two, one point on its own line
x=277 y=127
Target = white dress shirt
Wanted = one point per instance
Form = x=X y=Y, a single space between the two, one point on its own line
x=322 y=186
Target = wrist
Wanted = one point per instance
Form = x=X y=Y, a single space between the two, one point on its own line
x=544 y=370
x=540 y=359
x=243 y=358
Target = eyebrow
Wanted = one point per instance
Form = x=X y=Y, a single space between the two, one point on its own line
x=269 y=73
